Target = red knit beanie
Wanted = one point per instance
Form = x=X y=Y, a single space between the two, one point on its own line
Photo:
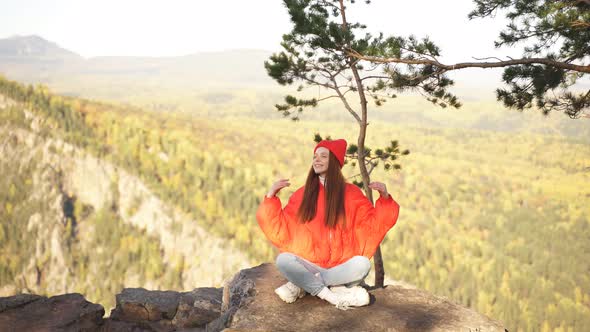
x=337 y=147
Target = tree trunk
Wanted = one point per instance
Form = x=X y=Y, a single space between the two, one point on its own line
x=379 y=271
x=377 y=258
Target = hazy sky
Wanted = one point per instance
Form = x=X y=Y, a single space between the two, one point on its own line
x=179 y=27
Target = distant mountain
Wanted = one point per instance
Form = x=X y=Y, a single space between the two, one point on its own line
x=33 y=47
x=227 y=68
x=235 y=83
x=33 y=59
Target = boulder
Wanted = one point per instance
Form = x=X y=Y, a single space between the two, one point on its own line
x=250 y=304
x=68 y=312
x=18 y=300
x=138 y=308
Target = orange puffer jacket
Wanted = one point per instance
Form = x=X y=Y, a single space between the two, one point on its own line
x=365 y=228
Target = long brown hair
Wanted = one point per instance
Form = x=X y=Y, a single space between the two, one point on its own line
x=334 y=195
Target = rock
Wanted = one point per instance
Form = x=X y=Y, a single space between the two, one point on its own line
x=253 y=306
x=247 y=303
x=165 y=310
x=17 y=301
x=69 y=312
x=198 y=307
x=138 y=304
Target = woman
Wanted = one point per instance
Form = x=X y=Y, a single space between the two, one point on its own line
x=327 y=232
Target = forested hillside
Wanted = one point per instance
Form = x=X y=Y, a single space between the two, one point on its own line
x=52 y=242
x=498 y=221
x=73 y=223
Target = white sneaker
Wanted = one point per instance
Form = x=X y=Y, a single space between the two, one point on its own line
x=289 y=292
x=355 y=296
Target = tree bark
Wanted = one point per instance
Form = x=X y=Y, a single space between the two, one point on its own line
x=377 y=259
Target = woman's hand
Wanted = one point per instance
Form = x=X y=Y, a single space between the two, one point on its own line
x=380 y=187
x=277 y=186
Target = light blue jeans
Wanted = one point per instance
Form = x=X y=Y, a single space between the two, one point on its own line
x=313 y=278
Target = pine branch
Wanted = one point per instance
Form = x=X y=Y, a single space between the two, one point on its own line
x=463 y=65
x=345 y=102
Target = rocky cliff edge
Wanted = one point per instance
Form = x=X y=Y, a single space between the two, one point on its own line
x=247 y=302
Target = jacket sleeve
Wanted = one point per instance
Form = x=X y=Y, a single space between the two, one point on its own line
x=372 y=223
x=277 y=223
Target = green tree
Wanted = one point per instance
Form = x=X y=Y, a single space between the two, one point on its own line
x=557 y=38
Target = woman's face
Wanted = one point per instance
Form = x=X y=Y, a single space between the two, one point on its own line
x=321 y=158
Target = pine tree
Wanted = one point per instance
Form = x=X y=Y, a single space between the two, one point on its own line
x=316 y=55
